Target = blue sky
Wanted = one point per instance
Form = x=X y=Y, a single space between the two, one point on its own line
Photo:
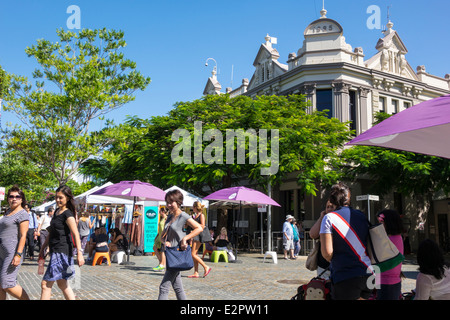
x=171 y=40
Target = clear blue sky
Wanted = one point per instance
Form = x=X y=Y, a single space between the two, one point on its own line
x=171 y=40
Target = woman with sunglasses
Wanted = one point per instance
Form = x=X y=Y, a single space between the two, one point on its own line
x=13 y=233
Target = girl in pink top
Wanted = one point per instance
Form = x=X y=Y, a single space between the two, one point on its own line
x=390 y=280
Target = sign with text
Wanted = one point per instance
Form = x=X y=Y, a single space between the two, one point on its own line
x=151 y=218
x=368 y=197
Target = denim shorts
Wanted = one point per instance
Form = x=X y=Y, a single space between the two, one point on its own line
x=60 y=267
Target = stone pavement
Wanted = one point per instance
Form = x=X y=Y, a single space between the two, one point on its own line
x=251 y=279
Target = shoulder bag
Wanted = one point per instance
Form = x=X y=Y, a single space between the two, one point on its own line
x=313 y=257
x=176 y=259
x=179 y=260
x=382 y=252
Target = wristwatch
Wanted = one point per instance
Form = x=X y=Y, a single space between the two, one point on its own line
x=19 y=254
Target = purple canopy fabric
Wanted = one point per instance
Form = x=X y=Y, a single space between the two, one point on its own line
x=242 y=195
x=133 y=189
x=423 y=128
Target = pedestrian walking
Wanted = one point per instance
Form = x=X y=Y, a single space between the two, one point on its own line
x=42 y=231
x=296 y=238
x=84 y=229
x=343 y=237
x=200 y=239
x=13 y=232
x=63 y=232
x=157 y=247
x=323 y=265
x=390 y=280
x=32 y=232
x=174 y=235
x=288 y=238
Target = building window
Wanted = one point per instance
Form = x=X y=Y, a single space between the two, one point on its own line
x=352 y=110
x=395 y=109
x=324 y=101
x=406 y=105
x=262 y=73
x=382 y=104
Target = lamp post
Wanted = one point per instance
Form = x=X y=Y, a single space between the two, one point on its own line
x=215 y=67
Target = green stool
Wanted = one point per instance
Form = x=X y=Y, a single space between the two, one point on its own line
x=216 y=254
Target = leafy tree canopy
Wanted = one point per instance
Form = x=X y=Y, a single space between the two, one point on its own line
x=81 y=77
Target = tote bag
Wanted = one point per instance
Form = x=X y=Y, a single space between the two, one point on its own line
x=382 y=252
x=179 y=260
x=313 y=257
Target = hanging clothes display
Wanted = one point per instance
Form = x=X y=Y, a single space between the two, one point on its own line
x=136 y=230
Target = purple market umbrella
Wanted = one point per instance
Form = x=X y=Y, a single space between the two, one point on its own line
x=423 y=128
x=242 y=196
x=135 y=190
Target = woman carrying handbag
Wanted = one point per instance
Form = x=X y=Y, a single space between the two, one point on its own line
x=175 y=236
x=203 y=237
x=315 y=260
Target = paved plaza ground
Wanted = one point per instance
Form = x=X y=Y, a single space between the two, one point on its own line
x=250 y=279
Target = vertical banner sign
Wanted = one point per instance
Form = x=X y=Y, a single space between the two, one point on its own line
x=150 y=227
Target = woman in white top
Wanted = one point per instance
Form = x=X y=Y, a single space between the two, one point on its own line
x=433 y=281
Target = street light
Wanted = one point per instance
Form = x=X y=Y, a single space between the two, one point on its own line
x=215 y=67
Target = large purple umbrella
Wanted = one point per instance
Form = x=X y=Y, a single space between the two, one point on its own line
x=135 y=190
x=242 y=196
x=423 y=128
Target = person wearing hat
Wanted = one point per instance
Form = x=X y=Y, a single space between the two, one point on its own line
x=288 y=238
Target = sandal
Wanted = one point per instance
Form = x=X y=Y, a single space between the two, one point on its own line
x=207 y=272
x=193 y=276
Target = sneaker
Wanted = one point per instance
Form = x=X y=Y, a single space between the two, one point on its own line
x=159 y=268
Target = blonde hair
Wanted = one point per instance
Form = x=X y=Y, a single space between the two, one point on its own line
x=198 y=205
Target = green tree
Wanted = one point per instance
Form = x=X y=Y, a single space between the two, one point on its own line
x=81 y=77
x=33 y=180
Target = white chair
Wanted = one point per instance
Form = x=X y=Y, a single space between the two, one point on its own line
x=271 y=254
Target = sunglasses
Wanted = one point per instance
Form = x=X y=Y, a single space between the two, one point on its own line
x=15 y=197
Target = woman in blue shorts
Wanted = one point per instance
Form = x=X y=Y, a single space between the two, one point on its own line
x=62 y=232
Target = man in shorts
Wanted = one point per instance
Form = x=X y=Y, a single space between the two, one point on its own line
x=288 y=238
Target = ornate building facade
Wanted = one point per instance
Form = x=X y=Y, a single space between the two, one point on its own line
x=336 y=77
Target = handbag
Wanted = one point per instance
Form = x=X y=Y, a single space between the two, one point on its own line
x=179 y=260
x=313 y=257
x=205 y=235
x=380 y=249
